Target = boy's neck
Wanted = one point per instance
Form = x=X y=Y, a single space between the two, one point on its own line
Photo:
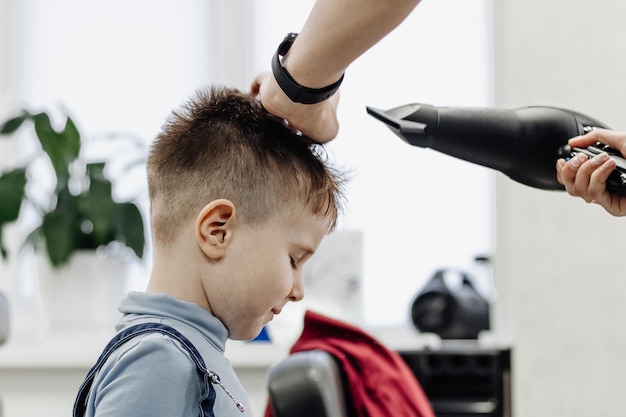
x=175 y=274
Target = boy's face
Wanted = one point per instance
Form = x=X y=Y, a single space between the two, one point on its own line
x=262 y=270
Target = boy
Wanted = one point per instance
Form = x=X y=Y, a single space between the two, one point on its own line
x=238 y=204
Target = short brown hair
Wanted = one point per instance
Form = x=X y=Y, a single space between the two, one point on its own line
x=224 y=144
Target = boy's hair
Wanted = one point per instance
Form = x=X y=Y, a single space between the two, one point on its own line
x=224 y=144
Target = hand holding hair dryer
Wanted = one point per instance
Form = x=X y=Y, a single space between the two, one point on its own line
x=523 y=143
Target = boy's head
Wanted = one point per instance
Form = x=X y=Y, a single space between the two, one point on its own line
x=225 y=145
x=246 y=199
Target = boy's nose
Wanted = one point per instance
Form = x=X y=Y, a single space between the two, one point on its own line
x=297 y=290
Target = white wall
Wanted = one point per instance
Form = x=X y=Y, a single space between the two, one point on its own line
x=559 y=261
x=8 y=52
x=7 y=91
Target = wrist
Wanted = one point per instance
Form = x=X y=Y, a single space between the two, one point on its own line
x=293 y=90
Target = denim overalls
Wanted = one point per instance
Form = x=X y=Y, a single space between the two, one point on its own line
x=205 y=407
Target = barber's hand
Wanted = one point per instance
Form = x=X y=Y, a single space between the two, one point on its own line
x=586 y=178
x=317 y=121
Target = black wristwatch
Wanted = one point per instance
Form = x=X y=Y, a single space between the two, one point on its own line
x=296 y=92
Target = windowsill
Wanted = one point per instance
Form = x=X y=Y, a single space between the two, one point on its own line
x=79 y=350
x=62 y=350
x=74 y=350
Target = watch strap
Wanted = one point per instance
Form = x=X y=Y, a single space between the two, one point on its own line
x=296 y=92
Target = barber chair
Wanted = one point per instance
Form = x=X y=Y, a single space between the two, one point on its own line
x=459 y=379
x=337 y=370
x=307 y=384
x=458 y=382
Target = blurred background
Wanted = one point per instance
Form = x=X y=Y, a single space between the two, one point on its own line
x=555 y=283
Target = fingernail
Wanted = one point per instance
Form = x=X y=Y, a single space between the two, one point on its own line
x=599 y=159
x=578 y=160
x=609 y=165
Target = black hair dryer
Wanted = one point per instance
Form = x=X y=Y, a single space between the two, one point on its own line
x=522 y=143
x=450 y=313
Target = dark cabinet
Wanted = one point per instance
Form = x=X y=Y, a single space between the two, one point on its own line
x=464 y=382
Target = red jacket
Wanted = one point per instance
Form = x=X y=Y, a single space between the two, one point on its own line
x=380 y=382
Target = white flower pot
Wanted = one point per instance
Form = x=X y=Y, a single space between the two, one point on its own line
x=84 y=294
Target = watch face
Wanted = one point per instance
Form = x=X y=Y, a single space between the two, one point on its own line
x=332 y=286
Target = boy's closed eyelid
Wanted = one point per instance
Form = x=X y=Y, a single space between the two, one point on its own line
x=299 y=261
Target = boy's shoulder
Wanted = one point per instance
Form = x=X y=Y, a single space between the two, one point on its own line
x=152 y=348
x=176 y=351
x=146 y=374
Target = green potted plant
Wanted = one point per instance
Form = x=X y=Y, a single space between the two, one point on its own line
x=80 y=213
x=76 y=217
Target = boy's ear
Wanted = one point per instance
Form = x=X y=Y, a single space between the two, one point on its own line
x=214 y=227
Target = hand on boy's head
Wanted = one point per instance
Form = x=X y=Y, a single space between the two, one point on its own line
x=316 y=121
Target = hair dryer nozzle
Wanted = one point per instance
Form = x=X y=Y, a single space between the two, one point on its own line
x=522 y=143
x=396 y=121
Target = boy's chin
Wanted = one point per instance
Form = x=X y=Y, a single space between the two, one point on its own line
x=250 y=334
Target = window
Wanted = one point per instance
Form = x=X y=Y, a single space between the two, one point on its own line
x=122 y=66
x=419 y=210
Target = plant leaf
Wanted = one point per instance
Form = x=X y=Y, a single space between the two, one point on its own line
x=11 y=125
x=12 y=186
x=60 y=229
x=52 y=145
x=97 y=205
x=62 y=147
x=33 y=239
x=72 y=136
x=129 y=227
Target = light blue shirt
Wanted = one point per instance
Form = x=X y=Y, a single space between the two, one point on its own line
x=152 y=375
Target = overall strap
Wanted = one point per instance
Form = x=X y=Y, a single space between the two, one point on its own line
x=206 y=405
